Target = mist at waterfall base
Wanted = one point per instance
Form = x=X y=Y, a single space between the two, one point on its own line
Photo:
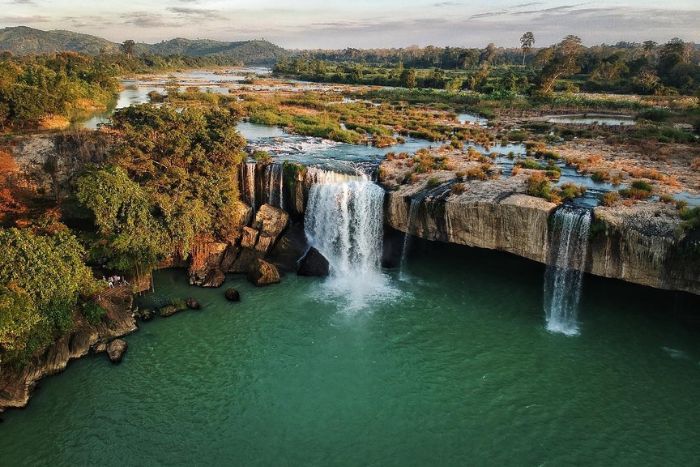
x=565 y=264
x=457 y=369
x=344 y=221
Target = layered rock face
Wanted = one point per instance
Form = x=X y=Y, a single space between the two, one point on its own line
x=210 y=260
x=489 y=215
x=642 y=244
x=16 y=385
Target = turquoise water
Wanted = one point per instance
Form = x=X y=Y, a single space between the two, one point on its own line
x=457 y=369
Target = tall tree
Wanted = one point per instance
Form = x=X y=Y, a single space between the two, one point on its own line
x=560 y=60
x=527 y=40
x=128 y=48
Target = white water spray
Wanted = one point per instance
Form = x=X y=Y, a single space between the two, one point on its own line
x=344 y=221
x=564 y=276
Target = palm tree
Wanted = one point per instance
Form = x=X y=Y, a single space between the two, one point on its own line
x=526 y=42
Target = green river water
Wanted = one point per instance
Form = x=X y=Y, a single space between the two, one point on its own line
x=455 y=369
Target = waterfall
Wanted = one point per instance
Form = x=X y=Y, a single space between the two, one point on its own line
x=315 y=175
x=344 y=221
x=412 y=213
x=568 y=248
x=248 y=183
x=274 y=185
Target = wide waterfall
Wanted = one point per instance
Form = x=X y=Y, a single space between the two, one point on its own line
x=568 y=249
x=344 y=221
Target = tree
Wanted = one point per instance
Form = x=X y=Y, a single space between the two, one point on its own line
x=527 y=40
x=560 y=60
x=128 y=47
x=488 y=54
x=135 y=240
x=408 y=78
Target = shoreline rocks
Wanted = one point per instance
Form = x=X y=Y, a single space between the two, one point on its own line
x=262 y=273
x=232 y=295
x=313 y=264
x=116 y=350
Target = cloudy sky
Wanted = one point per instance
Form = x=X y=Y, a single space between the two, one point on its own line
x=363 y=23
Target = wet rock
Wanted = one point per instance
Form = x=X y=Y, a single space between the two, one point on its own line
x=313 y=264
x=193 y=304
x=262 y=273
x=205 y=265
x=214 y=278
x=168 y=311
x=229 y=258
x=290 y=248
x=232 y=295
x=244 y=260
x=116 y=350
x=145 y=314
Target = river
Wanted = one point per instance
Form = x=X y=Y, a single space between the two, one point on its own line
x=455 y=367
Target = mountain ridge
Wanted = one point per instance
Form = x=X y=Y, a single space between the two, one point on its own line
x=24 y=40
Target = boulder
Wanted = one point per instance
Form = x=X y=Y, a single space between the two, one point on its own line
x=249 y=238
x=116 y=350
x=313 y=264
x=193 y=304
x=290 y=247
x=244 y=260
x=100 y=347
x=232 y=295
x=214 y=278
x=168 y=311
x=270 y=222
x=145 y=315
x=262 y=273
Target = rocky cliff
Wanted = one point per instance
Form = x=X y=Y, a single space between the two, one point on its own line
x=642 y=244
x=16 y=385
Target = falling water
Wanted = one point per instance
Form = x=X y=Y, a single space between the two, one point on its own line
x=248 y=183
x=412 y=213
x=563 y=279
x=344 y=221
x=274 y=185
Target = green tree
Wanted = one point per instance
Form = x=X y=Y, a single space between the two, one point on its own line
x=128 y=47
x=408 y=78
x=527 y=40
x=559 y=61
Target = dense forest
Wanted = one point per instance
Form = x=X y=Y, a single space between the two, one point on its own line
x=647 y=68
x=168 y=176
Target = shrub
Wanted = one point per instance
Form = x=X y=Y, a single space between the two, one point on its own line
x=433 y=182
x=571 y=191
x=610 y=198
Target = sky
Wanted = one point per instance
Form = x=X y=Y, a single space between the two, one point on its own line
x=329 y=24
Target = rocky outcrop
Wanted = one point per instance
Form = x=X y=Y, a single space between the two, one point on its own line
x=116 y=350
x=489 y=215
x=16 y=385
x=313 y=264
x=262 y=273
x=643 y=243
x=206 y=258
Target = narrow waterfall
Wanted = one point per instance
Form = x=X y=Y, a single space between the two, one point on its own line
x=248 y=183
x=344 y=221
x=568 y=248
x=274 y=184
x=412 y=214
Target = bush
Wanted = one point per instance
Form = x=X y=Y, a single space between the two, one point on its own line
x=610 y=198
x=433 y=182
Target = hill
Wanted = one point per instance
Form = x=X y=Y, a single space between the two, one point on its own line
x=23 y=40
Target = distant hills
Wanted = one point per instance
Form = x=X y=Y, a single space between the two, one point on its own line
x=23 y=40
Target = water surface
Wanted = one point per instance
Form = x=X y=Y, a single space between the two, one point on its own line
x=457 y=370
